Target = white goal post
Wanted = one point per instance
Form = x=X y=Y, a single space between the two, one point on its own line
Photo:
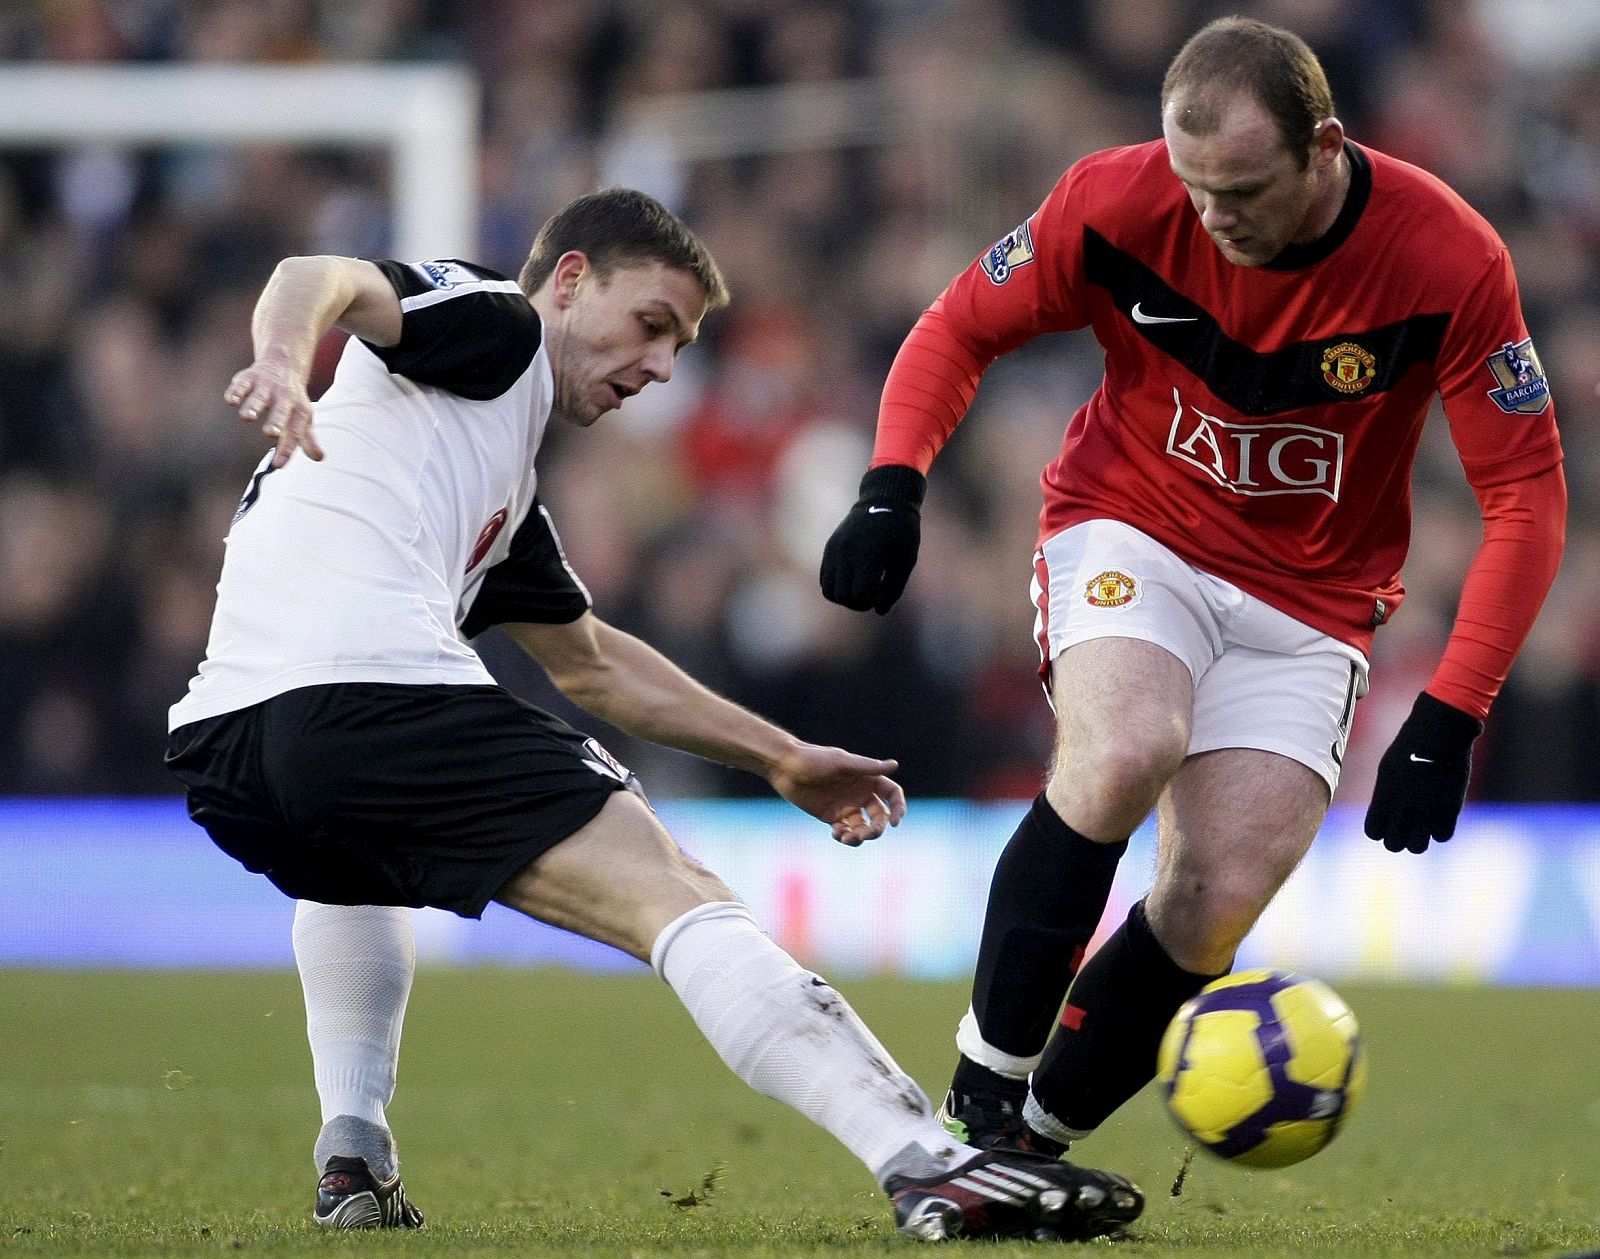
x=425 y=116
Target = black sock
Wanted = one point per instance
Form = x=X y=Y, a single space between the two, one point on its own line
x=970 y=1078
x=1121 y=1003
x=1050 y=888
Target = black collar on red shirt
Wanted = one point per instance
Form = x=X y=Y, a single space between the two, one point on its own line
x=1294 y=257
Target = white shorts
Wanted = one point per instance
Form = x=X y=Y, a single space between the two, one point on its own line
x=1261 y=678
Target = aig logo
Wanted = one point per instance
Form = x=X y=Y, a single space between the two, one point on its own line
x=1258 y=459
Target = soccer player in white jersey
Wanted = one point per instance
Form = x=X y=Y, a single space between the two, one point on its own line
x=343 y=738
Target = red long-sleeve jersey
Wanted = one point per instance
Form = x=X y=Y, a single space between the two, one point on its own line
x=1262 y=422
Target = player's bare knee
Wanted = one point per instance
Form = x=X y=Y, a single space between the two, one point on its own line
x=1201 y=918
x=1107 y=793
x=1198 y=944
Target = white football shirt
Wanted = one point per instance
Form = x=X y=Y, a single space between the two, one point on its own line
x=422 y=525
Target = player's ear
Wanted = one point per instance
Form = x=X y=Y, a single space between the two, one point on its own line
x=1327 y=142
x=568 y=275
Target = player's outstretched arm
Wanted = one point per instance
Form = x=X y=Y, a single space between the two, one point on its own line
x=627 y=682
x=304 y=298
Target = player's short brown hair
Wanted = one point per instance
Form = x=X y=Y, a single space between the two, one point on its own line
x=618 y=227
x=1237 y=54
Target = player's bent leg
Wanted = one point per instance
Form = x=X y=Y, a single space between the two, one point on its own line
x=1105 y=1049
x=781 y=1029
x=789 y=1034
x=1233 y=825
x=619 y=879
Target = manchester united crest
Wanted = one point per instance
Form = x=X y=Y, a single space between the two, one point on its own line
x=1111 y=589
x=1348 y=368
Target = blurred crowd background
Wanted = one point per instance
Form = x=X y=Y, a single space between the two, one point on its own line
x=697 y=516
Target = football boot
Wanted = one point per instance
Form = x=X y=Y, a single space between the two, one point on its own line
x=993 y=1121
x=1005 y=1194
x=350 y=1196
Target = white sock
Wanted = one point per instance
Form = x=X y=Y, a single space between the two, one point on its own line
x=971 y=1045
x=356 y=964
x=1043 y=1122
x=789 y=1035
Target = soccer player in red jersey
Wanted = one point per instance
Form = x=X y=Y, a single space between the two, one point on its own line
x=1222 y=533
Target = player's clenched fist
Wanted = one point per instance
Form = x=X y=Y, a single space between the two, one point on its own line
x=869 y=558
x=1422 y=778
x=271 y=394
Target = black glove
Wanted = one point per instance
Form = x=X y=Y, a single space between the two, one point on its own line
x=1422 y=778
x=869 y=558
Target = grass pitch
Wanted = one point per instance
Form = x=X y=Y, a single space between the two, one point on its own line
x=542 y=1112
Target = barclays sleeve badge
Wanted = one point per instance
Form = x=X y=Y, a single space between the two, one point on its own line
x=1523 y=387
x=1013 y=250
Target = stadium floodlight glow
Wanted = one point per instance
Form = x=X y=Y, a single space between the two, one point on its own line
x=426 y=116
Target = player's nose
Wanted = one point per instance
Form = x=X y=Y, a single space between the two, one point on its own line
x=658 y=362
x=1217 y=217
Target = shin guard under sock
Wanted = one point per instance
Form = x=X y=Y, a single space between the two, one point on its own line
x=1049 y=890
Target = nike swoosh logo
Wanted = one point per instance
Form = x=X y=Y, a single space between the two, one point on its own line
x=1422 y=760
x=873 y=511
x=1140 y=317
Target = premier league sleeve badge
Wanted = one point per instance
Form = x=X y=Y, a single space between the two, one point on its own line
x=1523 y=388
x=1013 y=250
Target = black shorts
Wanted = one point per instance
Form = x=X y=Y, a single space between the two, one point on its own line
x=370 y=793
